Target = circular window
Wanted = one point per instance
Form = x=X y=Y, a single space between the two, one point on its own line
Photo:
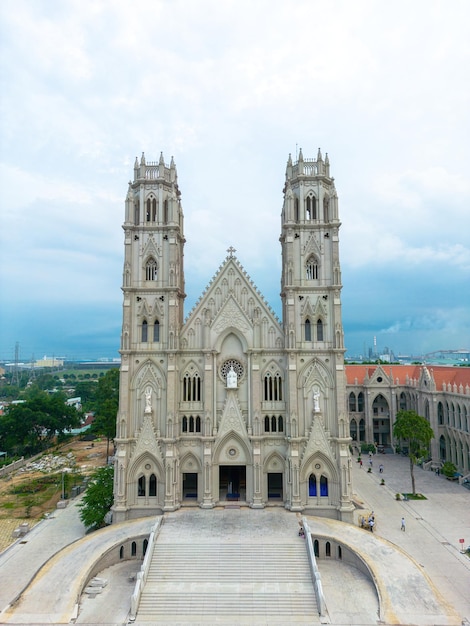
x=226 y=367
x=317 y=465
x=232 y=452
x=379 y=379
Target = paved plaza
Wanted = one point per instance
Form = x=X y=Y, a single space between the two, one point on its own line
x=433 y=529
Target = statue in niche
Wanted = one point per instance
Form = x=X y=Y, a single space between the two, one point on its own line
x=232 y=379
x=148 y=400
x=316 y=400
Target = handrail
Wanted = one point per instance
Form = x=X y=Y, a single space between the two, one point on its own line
x=142 y=574
x=317 y=584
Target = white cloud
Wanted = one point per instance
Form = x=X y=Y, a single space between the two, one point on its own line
x=230 y=88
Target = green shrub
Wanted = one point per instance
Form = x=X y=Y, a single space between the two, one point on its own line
x=449 y=469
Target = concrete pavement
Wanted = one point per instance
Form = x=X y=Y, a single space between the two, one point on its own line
x=21 y=560
x=433 y=526
x=433 y=529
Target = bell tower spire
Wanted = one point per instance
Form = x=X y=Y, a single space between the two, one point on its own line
x=153 y=288
x=311 y=276
x=313 y=329
x=153 y=282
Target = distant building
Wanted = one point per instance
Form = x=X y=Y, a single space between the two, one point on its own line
x=49 y=362
x=76 y=402
x=441 y=394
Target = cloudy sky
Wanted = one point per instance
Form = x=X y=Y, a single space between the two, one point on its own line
x=230 y=88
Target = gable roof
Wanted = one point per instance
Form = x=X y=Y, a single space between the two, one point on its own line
x=232 y=277
x=405 y=374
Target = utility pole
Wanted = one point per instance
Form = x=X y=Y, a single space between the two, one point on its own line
x=16 y=377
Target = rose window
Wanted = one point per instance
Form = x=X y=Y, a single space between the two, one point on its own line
x=237 y=368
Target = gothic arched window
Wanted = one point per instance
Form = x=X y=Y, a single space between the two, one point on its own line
x=312 y=485
x=311 y=268
x=403 y=402
x=272 y=388
x=152 y=485
x=352 y=402
x=151 y=269
x=156 y=331
x=273 y=424
x=296 y=209
x=440 y=414
x=319 y=330
x=323 y=485
x=191 y=388
x=308 y=330
x=141 y=486
x=360 y=402
x=144 y=331
x=310 y=207
x=191 y=425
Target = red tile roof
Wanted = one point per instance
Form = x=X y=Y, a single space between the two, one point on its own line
x=440 y=373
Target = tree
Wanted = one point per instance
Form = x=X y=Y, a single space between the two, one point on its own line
x=31 y=426
x=416 y=430
x=107 y=403
x=87 y=392
x=98 y=498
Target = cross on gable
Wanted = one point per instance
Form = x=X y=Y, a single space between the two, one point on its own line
x=230 y=251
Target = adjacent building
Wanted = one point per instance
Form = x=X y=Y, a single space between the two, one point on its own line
x=439 y=393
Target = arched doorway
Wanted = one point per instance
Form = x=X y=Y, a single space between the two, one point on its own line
x=275 y=491
x=232 y=482
x=381 y=412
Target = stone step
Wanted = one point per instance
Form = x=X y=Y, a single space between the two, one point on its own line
x=265 y=547
x=228 y=576
x=299 y=572
x=232 y=603
x=227 y=582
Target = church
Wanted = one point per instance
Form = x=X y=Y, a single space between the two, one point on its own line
x=230 y=405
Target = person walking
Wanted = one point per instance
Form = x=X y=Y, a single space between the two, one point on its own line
x=403 y=527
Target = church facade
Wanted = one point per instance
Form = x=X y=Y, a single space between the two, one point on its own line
x=231 y=404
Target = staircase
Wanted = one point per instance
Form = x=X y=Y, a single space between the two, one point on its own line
x=237 y=583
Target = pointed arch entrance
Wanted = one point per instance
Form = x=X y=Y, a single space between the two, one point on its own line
x=233 y=469
x=232 y=483
x=381 y=420
x=274 y=469
x=190 y=478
